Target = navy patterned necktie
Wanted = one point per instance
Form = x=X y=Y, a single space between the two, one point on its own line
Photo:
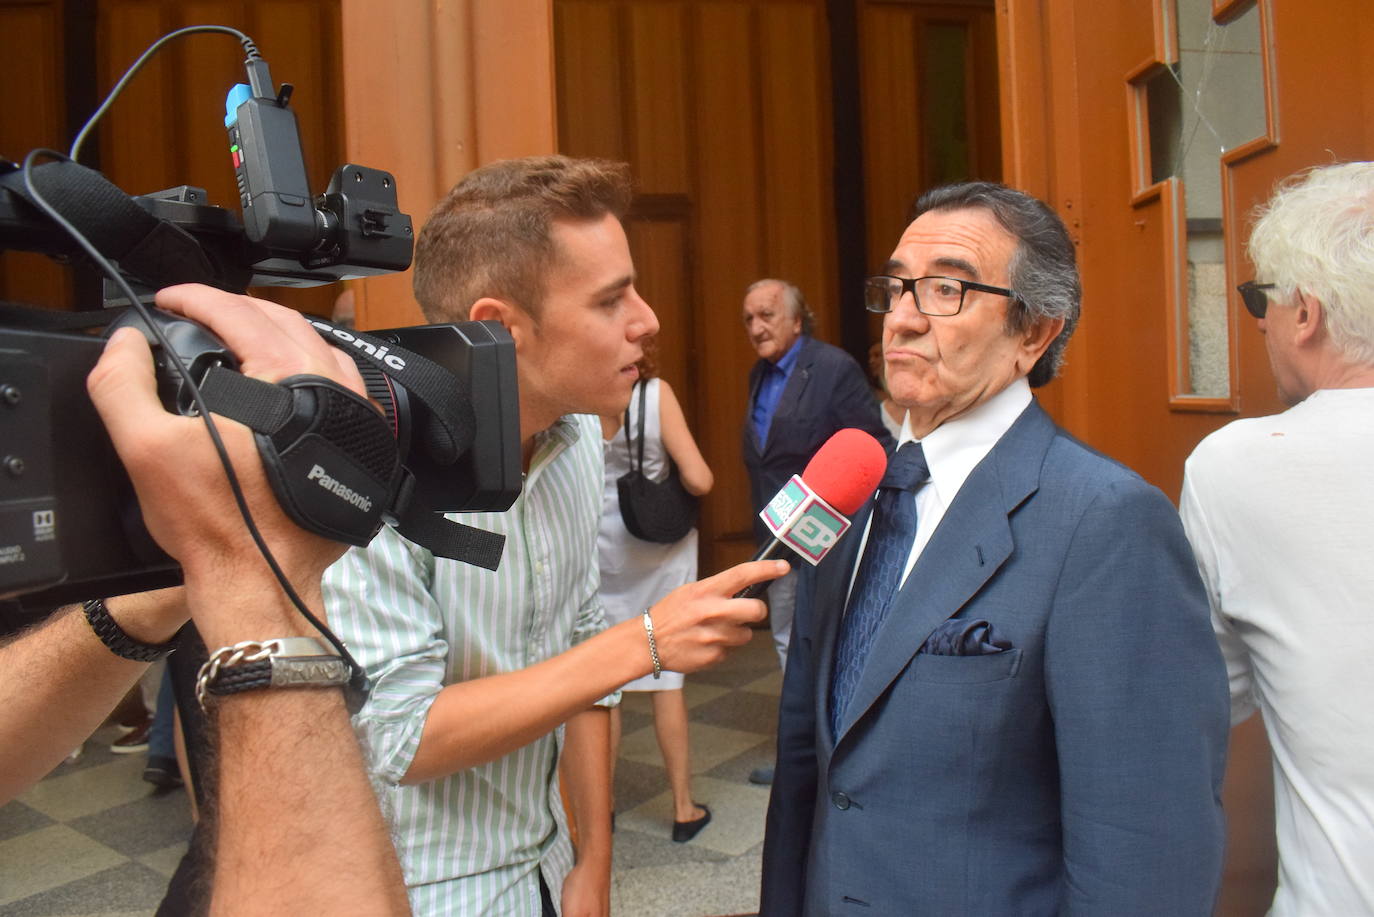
x=880 y=572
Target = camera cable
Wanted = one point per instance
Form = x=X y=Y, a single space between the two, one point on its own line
x=250 y=49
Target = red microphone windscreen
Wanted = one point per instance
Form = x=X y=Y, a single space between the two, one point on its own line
x=847 y=469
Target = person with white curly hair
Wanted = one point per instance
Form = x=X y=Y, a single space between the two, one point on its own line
x=1280 y=510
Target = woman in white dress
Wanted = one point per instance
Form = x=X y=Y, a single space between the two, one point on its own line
x=635 y=574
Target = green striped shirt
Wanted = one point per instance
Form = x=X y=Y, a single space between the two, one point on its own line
x=475 y=842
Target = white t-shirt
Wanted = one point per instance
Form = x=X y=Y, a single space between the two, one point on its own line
x=1280 y=512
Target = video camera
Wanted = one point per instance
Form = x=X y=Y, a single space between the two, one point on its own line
x=69 y=524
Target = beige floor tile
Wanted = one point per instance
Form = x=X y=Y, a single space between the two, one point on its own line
x=710 y=745
x=699 y=693
x=770 y=684
x=164 y=861
x=687 y=889
x=90 y=790
x=49 y=857
x=738 y=811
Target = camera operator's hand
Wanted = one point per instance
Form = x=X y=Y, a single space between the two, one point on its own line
x=181 y=485
x=277 y=745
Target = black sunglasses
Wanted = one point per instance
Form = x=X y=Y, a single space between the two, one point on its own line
x=1254 y=297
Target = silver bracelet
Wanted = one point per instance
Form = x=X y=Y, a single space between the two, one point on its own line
x=285 y=662
x=653 y=645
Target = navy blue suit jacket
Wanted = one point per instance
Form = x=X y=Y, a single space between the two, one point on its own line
x=826 y=392
x=1077 y=772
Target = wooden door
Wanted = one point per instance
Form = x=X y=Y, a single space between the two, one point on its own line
x=722 y=110
x=1093 y=122
x=930 y=105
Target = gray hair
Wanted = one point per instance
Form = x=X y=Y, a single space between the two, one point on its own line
x=1043 y=269
x=1316 y=235
x=792 y=298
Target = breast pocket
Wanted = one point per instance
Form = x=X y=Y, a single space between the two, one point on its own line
x=966 y=670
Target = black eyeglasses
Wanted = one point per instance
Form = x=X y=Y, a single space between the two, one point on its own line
x=1254 y=297
x=933 y=295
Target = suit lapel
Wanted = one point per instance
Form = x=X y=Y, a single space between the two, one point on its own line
x=971 y=544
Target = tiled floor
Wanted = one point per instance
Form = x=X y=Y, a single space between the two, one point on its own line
x=94 y=840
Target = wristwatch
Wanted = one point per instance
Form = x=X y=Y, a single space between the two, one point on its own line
x=120 y=643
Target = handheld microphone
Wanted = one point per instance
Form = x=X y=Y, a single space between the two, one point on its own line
x=811 y=511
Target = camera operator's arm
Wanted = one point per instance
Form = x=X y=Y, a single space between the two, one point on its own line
x=298 y=829
x=58 y=682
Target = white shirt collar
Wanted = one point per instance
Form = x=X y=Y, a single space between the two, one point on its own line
x=955 y=448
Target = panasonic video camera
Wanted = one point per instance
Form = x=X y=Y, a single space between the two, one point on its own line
x=69 y=524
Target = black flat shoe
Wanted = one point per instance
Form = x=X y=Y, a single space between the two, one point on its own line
x=684 y=831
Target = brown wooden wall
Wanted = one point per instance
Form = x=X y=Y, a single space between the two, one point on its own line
x=167 y=127
x=434 y=88
x=722 y=110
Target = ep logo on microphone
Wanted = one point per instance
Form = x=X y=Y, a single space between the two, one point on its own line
x=799 y=518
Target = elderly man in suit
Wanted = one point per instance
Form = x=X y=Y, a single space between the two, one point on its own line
x=1005 y=697
x=801 y=391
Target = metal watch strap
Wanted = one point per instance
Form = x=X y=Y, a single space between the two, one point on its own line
x=283 y=662
x=114 y=637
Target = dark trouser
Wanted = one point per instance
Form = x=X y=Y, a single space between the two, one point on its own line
x=546 y=898
x=188 y=892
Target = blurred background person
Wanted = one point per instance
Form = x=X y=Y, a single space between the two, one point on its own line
x=801 y=391
x=889 y=411
x=636 y=573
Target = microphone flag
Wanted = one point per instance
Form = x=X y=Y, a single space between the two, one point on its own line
x=798 y=517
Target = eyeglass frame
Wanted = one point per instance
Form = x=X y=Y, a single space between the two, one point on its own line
x=1253 y=297
x=909 y=286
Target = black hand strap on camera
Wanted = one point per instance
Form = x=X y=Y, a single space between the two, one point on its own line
x=331 y=460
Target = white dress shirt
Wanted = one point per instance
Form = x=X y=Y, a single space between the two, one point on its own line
x=952 y=451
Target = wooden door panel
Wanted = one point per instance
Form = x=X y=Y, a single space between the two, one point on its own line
x=730 y=212
x=658 y=105
x=591 y=109
x=892 y=130
x=659 y=246
x=167 y=126
x=31 y=43
x=794 y=68
x=721 y=107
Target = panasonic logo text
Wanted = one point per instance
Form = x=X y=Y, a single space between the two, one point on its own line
x=381 y=353
x=339 y=489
